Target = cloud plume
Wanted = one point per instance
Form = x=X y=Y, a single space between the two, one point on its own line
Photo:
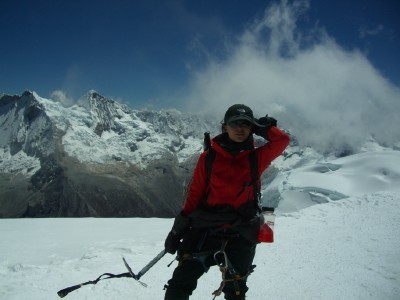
x=330 y=98
x=61 y=96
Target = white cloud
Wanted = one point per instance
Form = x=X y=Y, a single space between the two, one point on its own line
x=330 y=98
x=61 y=96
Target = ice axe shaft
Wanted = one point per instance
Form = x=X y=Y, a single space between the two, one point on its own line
x=151 y=264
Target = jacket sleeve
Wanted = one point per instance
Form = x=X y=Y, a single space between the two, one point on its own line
x=197 y=187
x=278 y=141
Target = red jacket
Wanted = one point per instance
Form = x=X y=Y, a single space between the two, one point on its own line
x=231 y=173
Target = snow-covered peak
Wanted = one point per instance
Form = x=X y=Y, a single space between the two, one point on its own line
x=24 y=122
x=98 y=129
x=96 y=157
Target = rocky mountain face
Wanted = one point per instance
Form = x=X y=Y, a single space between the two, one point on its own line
x=96 y=158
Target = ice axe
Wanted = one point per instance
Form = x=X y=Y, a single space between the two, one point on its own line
x=64 y=292
x=145 y=268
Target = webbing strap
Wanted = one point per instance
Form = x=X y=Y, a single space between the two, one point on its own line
x=64 y=292
x=255 y=179
x=209 y=160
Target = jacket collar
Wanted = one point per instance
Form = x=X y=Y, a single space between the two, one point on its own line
x=222 y=144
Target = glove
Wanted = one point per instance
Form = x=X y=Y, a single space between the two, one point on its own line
x=267 y=122
x=173 y=240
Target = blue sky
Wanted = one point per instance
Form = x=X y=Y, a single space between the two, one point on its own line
x=150 y=53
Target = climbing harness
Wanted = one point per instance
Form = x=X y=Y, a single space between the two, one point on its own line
x=224 y=264
x=229 y=274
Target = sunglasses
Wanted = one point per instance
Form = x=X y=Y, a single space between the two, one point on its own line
x=240 y=123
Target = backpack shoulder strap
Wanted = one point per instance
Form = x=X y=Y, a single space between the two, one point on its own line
x=253 y=165
x=209 y=160
x=206 y=141
x=255 y=179
x=210 y=157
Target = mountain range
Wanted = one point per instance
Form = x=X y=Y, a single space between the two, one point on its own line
x=95 y=158
x=100 y=158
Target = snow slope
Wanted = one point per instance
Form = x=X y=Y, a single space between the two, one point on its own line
x=346 y=248
x=330 y=180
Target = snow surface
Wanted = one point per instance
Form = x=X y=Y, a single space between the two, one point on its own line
x=326 y=246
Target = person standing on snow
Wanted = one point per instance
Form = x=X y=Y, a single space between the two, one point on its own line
x=220 y=219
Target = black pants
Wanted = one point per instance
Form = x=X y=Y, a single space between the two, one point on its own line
x=240 y=253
